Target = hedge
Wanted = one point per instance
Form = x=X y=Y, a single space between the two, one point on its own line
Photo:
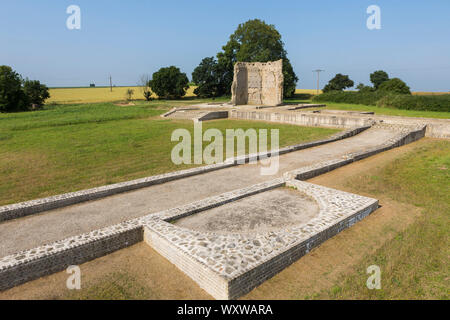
x=388 y=100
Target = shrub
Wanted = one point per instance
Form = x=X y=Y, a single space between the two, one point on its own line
x=36 y=92
x=169 y=82
x=394 y=85
x=421 y=103
x=369 y=98
x=129 y=94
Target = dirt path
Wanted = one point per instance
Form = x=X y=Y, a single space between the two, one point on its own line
x=135 y=272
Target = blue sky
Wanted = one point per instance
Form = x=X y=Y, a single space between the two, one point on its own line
x=130 y=38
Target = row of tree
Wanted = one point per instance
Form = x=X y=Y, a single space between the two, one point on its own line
x=253 y=41
x=18 y=94
x=380 y=80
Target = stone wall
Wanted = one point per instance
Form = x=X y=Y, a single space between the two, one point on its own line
x=258 y=83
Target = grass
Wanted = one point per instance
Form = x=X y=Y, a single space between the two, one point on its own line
x=72 y=147
x=414 y=264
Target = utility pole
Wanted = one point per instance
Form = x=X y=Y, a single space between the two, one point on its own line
x=318 y=76
x=110 y=83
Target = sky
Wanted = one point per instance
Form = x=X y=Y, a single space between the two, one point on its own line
x=129 y=38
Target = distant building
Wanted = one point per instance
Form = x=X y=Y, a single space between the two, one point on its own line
x=92 y=85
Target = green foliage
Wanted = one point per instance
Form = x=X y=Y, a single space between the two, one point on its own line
x=207 y=78
x=12 y=97
x=421 y=103
x=363 y=88
x=15 y=97
x=385 y=99
x=338 y=83
x=255 y=41
x=395 y=85
x=36 y=92
x=169 y=83
x=367 y=98
x=378 y=77
x=129 y=94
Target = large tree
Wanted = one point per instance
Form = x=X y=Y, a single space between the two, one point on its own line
x=378 y=77
x=12 y=97
x=207 y=78
x=255 y=41
x=338 y=83
x=169 y=82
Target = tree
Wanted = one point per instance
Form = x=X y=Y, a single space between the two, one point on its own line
x=129 y=94
x=363 y=88
x=169 y=82
x=12 y=97
x=395 y=85
x=144 y=81
x=338 y=83
x=36 y=92
x=207 y=77
x=378 y=77
x=254 y=41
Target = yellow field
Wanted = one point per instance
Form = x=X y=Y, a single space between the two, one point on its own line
x=88 y=95
x=421 y=93
x=307 y=91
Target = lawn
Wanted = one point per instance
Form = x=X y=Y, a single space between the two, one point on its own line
x=407 y=237
x=66 y=148
x=415 y=263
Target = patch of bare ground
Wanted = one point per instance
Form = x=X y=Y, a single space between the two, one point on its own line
x=137 y=272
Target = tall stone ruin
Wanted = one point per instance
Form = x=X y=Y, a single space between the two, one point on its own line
x=258 y=83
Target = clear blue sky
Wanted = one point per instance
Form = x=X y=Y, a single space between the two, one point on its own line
x=129 y=38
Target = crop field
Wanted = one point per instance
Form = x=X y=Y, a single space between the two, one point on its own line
x=97 y=94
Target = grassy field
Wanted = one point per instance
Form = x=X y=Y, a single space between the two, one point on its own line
x=72 y=147
x=414 y=263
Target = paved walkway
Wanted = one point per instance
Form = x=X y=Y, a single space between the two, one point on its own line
x=50 y=226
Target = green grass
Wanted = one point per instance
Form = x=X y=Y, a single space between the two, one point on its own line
x=415 y=263
x=72 y=147
x=377 y=110
x=117 y=286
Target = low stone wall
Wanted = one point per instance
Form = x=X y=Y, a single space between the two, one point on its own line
x=405 y=136
x=35 y=263
x=303 y=119
x=212 y=115
x=436 y=128
x=22 y=209
x=230 y=265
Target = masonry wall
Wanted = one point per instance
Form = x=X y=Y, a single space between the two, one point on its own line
x=258 y=83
